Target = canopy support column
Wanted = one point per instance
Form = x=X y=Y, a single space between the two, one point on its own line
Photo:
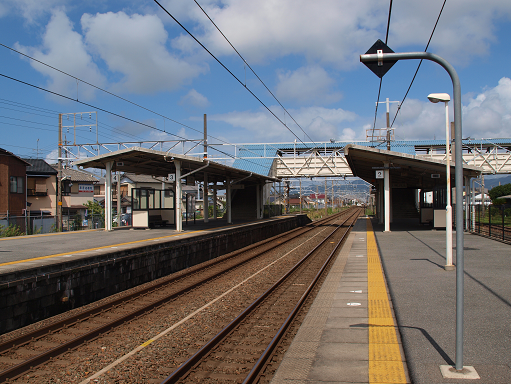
x=108 y=196
x=205 y=199
x=179 y=199
x=228 y=200
x=386 y=192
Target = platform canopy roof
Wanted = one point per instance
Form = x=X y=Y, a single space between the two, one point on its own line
x=144 y=161
x=406 y=171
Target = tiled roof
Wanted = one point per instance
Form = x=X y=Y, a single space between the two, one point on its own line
x=4 y=152
x=77 y=175
x=40 y=167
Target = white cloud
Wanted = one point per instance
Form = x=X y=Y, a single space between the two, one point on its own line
x=487 y=115
x=338 y=31
x=63 y=48
x=307 y=85
x=466 y=27
x=134 y=46
x=321 y=124
x=52 y=157
x=195 y=99
x=266 y=29
x=30 y=10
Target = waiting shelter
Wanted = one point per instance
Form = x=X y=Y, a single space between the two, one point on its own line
x=164 y=206
x=398 y=176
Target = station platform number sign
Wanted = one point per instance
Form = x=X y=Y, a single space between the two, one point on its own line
x=380 y=174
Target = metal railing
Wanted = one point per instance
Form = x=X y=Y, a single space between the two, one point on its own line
x=40 y=224
x=493 y=221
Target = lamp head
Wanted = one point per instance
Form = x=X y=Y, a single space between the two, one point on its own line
x=437 y=97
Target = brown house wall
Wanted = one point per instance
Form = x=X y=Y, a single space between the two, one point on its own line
x=14 y=203
x=4 y=184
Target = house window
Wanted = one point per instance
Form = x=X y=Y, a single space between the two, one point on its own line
x=17 y=184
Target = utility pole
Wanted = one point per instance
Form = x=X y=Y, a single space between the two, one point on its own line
x=326 y=205
x=388 y=118
x=333 y=196
x=317 y=195
x=205 y=192
x=205 y=136
x=300 y=195
x=59 y=178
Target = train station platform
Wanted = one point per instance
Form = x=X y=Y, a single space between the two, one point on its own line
x=386 y=312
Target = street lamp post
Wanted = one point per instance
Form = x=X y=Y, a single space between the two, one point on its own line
x=380 y=58
x=435 y=98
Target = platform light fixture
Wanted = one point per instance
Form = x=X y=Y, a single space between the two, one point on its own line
x=436 y=98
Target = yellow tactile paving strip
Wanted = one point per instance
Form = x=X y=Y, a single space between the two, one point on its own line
x=385 y=361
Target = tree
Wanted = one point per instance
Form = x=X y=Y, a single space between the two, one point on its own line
x=94 y=209
x=500 y=190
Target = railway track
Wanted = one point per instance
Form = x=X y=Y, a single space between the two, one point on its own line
x=27 y=352
x=243 y=348
x=493 y=231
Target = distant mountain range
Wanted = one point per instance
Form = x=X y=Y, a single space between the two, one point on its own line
x=494 y=180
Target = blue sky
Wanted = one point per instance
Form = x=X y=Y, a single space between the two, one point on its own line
x=306 y=52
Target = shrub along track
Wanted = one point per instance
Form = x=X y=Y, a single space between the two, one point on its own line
x=27 y=355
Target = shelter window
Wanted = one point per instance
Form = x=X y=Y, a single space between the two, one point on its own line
x=147 y=199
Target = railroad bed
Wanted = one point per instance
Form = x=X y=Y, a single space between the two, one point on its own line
x=226 y=320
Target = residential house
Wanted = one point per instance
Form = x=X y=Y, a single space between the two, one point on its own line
x=41 y=188
x=77 y=190
x=13 y=177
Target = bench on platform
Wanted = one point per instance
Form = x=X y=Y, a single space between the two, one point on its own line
x=157 y=220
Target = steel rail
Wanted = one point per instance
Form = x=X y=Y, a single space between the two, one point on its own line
x=189 y=364
x=42 y=358
x=23 y=339
x=261 y=362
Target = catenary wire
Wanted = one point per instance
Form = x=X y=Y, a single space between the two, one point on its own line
x=227 y=69
x=110 y=93
x=39 y=109
x=248 y=65
x=420 y=63
x=49 y=111
x=381 y=78
x=100 y=109
x=92 y=85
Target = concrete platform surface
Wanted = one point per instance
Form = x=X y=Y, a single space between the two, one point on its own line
x=26 y=251
x=347 y=335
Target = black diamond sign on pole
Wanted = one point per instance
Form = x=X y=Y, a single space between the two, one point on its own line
x=380 y=67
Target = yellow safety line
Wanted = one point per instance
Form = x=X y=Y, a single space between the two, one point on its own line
x=385 y=361
x=112 y=245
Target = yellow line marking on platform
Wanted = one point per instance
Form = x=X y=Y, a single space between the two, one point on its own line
x=385 y=360
x=107 y=246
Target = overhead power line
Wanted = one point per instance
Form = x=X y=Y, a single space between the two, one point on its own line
x=104 y=110
x=420 y=63
x=89 y=105
x=381 y=78
x=110 y=93
x=228 y=70
x=248 y=65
